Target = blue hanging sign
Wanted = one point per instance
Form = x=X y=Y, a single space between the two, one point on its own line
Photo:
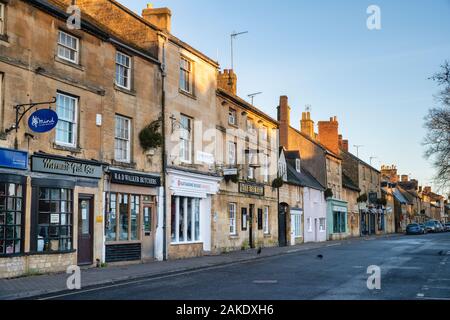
x=13 y=159
x=43 y=120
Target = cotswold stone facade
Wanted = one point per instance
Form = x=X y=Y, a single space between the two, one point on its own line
x=64 y=213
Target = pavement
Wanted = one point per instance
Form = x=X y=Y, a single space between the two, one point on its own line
x=41 y=285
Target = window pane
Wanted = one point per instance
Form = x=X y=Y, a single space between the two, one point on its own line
x=123 y=216
x=135 y=218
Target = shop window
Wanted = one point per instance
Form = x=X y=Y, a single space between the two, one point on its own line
x=122 y=218
x=232 y=216
x=68 y=47
x=66 y=129
x=260 y=219
x=244 y=222
x=55 y=220
x=11 y=218
x=339 y=222
x=266 y=220
x=123 y=70
x=185 y=220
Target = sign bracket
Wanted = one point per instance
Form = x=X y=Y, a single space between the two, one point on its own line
x=21 y=111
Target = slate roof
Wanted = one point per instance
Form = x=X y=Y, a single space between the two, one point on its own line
x=399 y=196
x=302 y=178
x=349 y=184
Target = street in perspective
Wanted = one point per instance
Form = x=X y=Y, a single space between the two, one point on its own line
x=207 y=151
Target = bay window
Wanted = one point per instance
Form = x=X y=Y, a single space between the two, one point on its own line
x=185 y=220
x=11 y=218
x=66 y=129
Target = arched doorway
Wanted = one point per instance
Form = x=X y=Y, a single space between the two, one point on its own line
x=283 y=211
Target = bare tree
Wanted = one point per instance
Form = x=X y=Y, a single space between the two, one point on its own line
x=437 y=122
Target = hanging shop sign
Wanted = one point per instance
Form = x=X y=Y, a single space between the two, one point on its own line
x=43 y=120
x=66 y=167
x=134 y=179
x=13 y=159
x=251 y=188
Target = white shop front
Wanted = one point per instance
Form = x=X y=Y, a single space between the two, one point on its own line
x=189 y=214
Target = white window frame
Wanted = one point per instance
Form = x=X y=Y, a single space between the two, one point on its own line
x=297 y=225
x=266 y=220
x=186 y=140
x=265 y=167
x=127 y=140
x=2 y=18
x=232 y=151
x=250 y=126
x=264 y=133
x=186 y=70
x=121 y=66
x=232 y=116
x=322 y=226
x=232 y=215
x=251 y=174
x=73 y=123
x=194 y=214
x=64 y=46
x=298 y=165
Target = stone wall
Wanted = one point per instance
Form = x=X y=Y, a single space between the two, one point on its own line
x=183 y=251
x=36 y=264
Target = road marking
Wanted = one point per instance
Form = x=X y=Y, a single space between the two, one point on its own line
x=403 y=268
x=420 y=295
x=265 y=281
x=358 y=267
x=334 y=245
x=430 y=298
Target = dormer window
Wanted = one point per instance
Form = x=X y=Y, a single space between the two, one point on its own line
x=297 y=165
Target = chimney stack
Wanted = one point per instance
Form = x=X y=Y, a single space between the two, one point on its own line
x=284 y=118
x=307 y=125
x=159 y=17
x=343 y=144
x=227 y=80
x=329 y=134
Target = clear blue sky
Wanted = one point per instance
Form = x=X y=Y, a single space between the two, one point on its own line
x=321 y=53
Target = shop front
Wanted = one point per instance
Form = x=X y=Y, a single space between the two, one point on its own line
x=47 y=214
x=337 y=219
x=131 y=202
x=189 y=202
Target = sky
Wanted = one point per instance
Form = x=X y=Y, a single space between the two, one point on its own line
x=321 y=53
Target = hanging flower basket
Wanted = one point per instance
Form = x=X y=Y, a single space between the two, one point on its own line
x=328 y=193
x=277 y=183
x=150 y=137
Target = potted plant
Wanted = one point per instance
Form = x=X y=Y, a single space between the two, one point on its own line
x=277 y=183
x=328 y=193
x=362 y=198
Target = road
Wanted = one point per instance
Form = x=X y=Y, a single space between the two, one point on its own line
x=412 y=267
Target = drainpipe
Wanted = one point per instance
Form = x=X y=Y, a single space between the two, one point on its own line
x=163 y=151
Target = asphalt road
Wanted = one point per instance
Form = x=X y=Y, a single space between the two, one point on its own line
x=412 y=268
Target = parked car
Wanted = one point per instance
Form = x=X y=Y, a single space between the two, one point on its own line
x=414 y=228
x=423 y=227
x=434 y=226
x=447 y=226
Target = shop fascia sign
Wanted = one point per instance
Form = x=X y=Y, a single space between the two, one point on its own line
x=135 y=179
x=339 y=209
x=13 y=159
x=66 y=167
x=251 y=188
x=180 y=183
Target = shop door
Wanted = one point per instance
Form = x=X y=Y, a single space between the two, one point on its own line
x=372 y=223
x=282 y=212
x=250 y=229
x=85 y=230
x=149 y=229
